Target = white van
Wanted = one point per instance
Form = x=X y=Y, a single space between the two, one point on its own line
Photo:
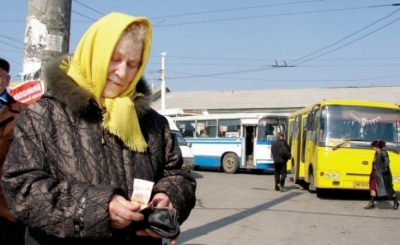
x=187 y=155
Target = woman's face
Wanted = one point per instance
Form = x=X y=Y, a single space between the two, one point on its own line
x=125 y=63
x=375 y=148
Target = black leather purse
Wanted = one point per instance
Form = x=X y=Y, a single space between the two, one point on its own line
x=162 y=221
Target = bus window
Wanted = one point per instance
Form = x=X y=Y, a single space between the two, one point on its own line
x=228 y=128
x=187 y=128
x=206 y=128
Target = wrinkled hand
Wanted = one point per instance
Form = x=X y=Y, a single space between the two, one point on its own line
x=160 y=200
x=123 y=212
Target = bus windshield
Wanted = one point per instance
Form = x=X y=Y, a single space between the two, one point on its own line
x=178 y=138
x=357 y=123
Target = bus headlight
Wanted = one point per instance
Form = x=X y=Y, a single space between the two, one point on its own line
x=336 y=175
x=397 y=179
x=328 y=175
x=188 y=160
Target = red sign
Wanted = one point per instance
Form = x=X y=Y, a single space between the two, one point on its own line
x=27 y=92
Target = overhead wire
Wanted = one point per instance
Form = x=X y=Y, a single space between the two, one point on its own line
x=346 y=36
x=296 y=80
x=82 y=15
x=242 y=65
x=266 y=67
x=11 y=38
x=350 y=42
x=89 y=7
x=234 y=9
x=9 y=50
x=219 y=58
x=11 y=45
x=273 y=15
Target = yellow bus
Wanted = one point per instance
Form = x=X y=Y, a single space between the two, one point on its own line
x=331 y=140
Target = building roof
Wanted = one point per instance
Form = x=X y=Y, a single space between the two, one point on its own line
x=274 y=99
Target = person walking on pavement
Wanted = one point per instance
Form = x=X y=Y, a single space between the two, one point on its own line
x=280 y=168
x=11 y=232
x=380 y=182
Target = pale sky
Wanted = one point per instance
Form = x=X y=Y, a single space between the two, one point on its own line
x=215 y=45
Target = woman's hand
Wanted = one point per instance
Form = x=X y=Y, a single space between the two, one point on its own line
x=160 y=200
x=123 y=212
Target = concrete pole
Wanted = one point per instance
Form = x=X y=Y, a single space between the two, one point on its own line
x=163 y=86
x=47 y=34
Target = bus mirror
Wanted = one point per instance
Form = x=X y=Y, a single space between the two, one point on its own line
x=190 y=144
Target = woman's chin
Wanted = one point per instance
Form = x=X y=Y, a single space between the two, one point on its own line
x=110 y=94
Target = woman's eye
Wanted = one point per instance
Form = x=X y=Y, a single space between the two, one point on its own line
x=132 y=65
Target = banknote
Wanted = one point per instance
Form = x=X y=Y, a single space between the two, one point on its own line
x=141 y=192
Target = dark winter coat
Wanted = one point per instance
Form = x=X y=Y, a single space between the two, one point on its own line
x=62 y=156
x=275 y=150
x=384 y=184
x=9 y=230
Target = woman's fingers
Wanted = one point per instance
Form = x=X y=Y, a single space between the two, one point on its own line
x=123 y=212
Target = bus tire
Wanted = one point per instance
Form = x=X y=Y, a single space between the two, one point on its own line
x=321 y=192
x=230 y=163
x=311 y=186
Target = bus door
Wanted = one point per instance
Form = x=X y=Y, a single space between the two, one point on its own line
x=267 y=129
x=248 y=145
x=303 y=148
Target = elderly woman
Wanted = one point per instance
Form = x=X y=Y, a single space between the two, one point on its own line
x=69 y=175
x=381 y=177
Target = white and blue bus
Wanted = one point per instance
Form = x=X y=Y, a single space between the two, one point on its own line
x=232 y=141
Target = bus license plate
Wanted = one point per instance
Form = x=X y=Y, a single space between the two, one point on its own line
x=363 y=185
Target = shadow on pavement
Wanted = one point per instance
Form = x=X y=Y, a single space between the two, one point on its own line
x=215 y=225
x=196 y=175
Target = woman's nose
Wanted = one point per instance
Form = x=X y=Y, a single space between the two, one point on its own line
x=121 y=70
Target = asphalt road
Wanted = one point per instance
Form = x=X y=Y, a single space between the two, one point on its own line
x=244 y=208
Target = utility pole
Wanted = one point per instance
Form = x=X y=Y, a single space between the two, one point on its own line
x=47 y=34
x=163 y=86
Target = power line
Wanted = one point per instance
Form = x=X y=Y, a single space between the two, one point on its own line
x=233 y=9
x=11 y=38
x=265 y=67
x=218 y=58
x=11 y=50
x=11 y=45
x=88 y=7
x=274 y=15
x=297 y=80
x=14 y=62
x=241 y=65
x=350 y=42
x=82 y=15
x=346 y=37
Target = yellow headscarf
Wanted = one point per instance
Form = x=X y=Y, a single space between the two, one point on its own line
x=89 y=69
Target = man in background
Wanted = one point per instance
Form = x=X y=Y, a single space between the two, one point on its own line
x=280 y=167
x=10 y=231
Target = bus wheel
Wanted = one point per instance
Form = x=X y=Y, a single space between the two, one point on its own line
x=311 y=186
x=230 y=163
x=321 y=192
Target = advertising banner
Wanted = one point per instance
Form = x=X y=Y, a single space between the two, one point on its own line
x=27 y=92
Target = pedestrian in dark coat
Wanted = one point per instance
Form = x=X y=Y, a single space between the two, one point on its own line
x=69 y=175
x=381 y=183
x=280 y=168
x=10 y=231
